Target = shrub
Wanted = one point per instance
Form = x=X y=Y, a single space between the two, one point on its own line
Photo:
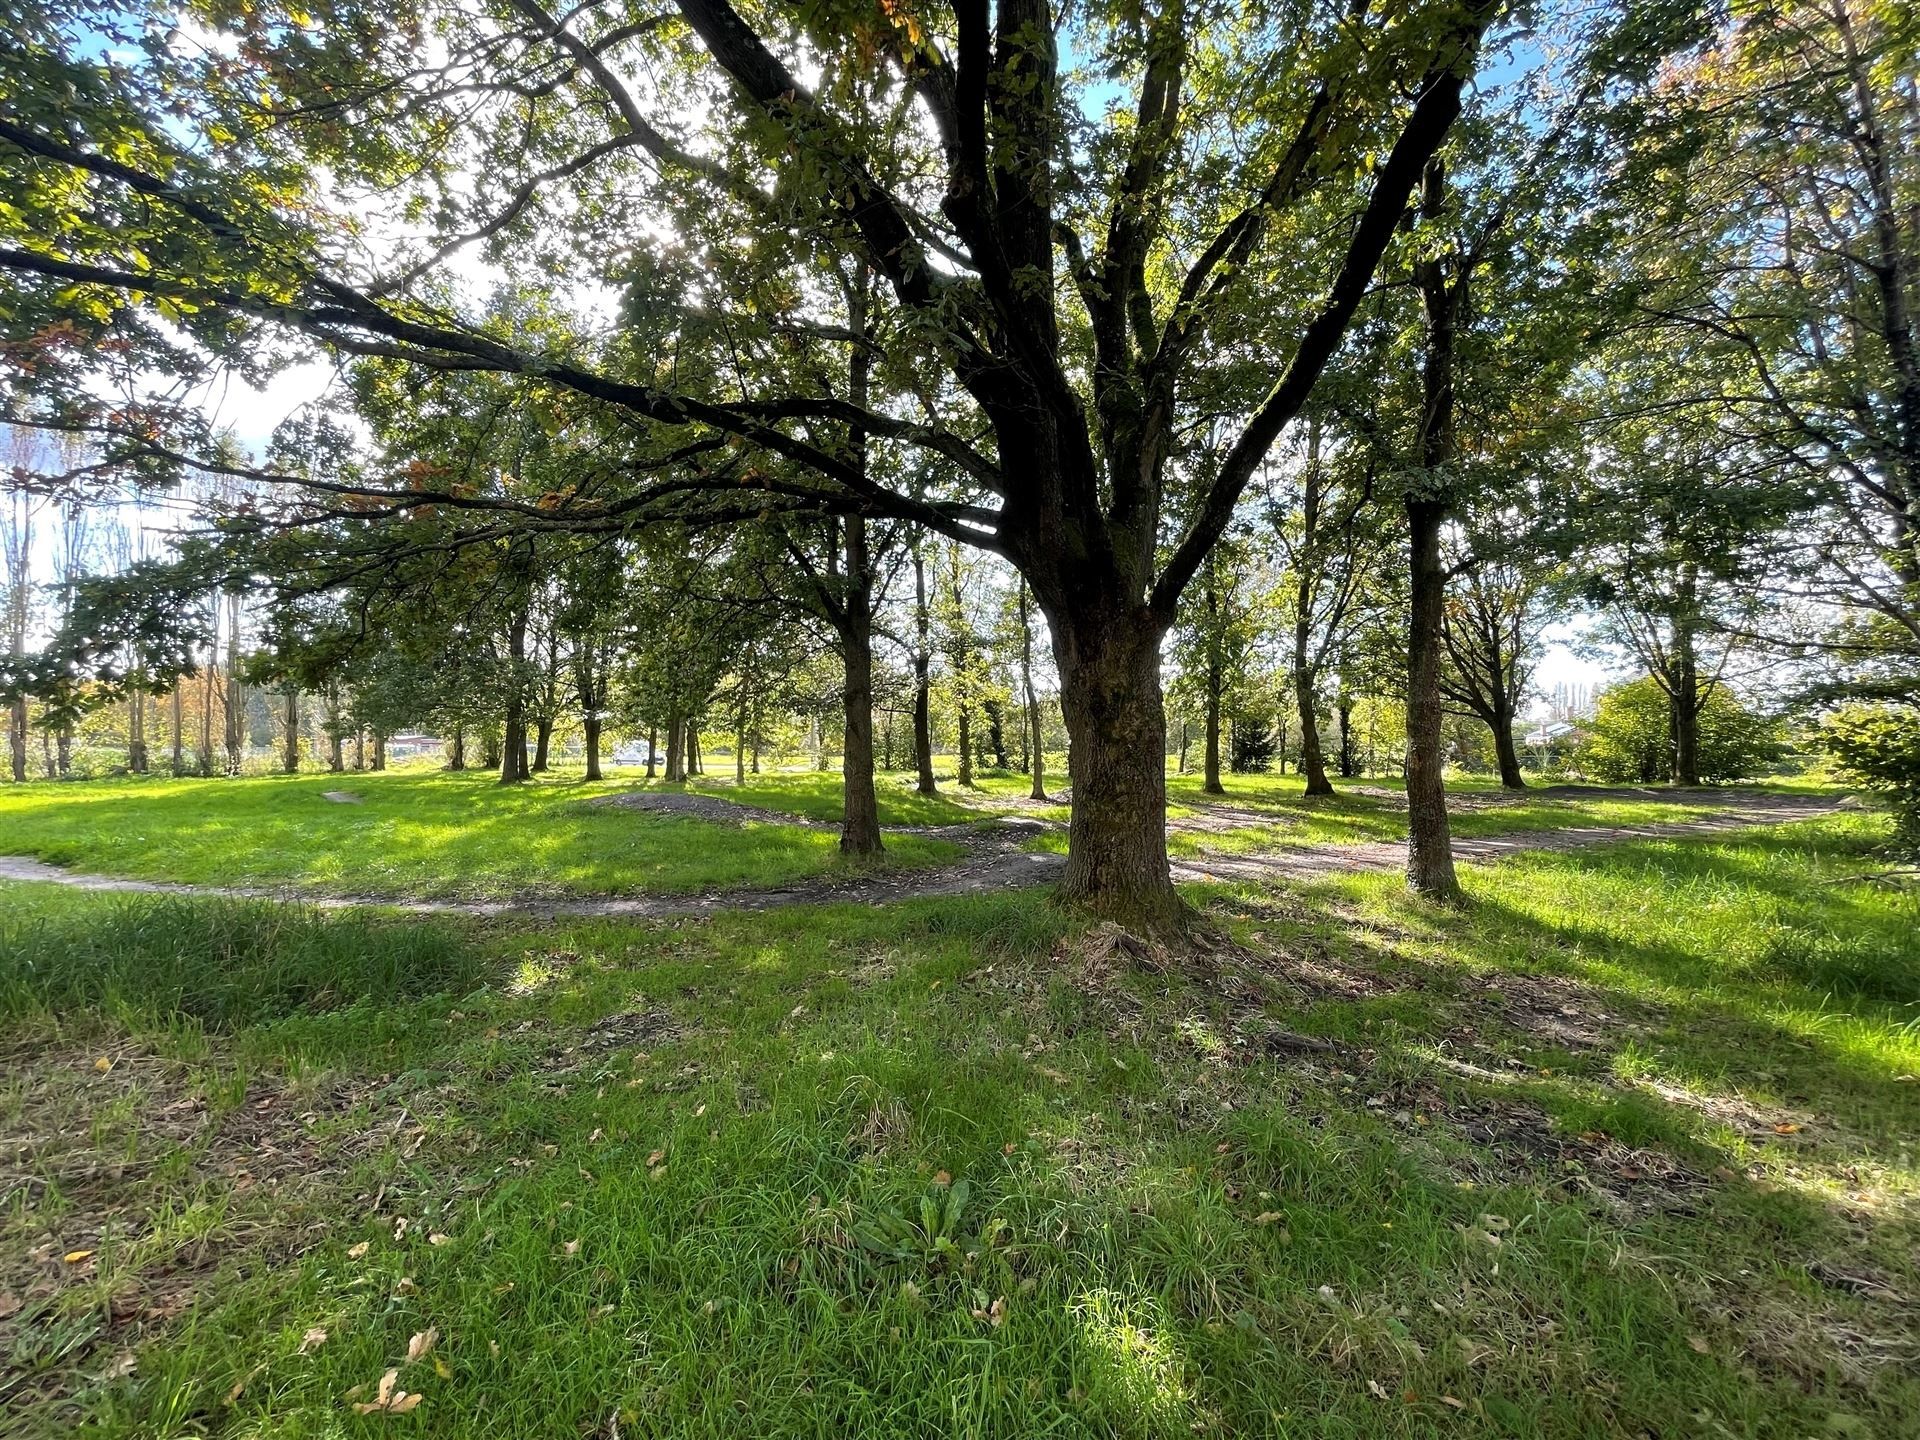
x=1878 y=746
x=1630 y=737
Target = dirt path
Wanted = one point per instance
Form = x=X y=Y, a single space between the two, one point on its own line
x=994 y=862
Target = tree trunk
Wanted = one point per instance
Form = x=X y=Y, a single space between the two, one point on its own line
x=1507 y=754
x=653 y=749
x=290 y=760
x=1211 y=784
x=996 y=733
x=740 y=753
x=1313 y=763
x=178 y=758
x=1117 y=762
x=17 y=737
x=542 y=741
x=590 y=736
x=1037 y=764
x=379 y=751
x=1349 y=761
x=922 y=681
x=63 y=751
x=965 y=777
x=1430 y=848
x=513 y=747
x=676 y=756
x=690 y=753
x=336 y=762
x=1683 y=691
x=860 y=806
x=457 y=749
x=137 y=731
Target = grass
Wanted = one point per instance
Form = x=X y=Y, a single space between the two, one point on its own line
x=1622 y=1148
x=431 y=834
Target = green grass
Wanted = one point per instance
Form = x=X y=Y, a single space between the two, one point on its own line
x=1621 y=1148
x=427 y=833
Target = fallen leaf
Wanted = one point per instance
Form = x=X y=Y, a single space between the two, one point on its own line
x=389 y=1399
x=572 y=1247
x=1378 y=1391
x=1450 y=1400
x=1268 y=1217
x=421 y=1345
x=405 y=1286
x=74 y=1257
x=655 y=1158
x=436 y=1238
x=943 y=1177
x=1786 y=1127
x=313 y=1340
x=441 y=1368
x=233 y=1395
x=103 y=1064
x=1699 y=1344
x=356 y=1252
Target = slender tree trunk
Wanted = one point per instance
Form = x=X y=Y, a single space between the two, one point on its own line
x=922 y=680
x=379 y=751
x=290 y=760
x=1313 y=763
x=63 y=751
x=178 y=758
x=1430 y=842
x=206 y=718
x=965 y=777
x=1683 y=690
x=996 y=733
x=860 y=805
x=336 y=762
x=740 y=753
x=1430 y=853
x=542 y=741
x=590 y=737
x=457 y=749
x=1117 y=762
x=1035 y=736
x=137 y=731
x=17 y=737
x=690 y=764
x=1349 y=763
x=653 y=749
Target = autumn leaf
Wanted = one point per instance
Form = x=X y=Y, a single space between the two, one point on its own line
x=74 y=1257
x=1699 y=1344
x=358 y=1252
x=313 y=1340
x=421 y=1345
x=388 y=1399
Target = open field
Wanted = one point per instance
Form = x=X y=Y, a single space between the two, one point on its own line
x=1622 y=1148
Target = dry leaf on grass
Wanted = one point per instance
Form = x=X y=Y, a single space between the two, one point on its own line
x=313 y=1339
x=421 y=1345
x=389 y=1399
x=358 y=1252
x=1699 y=1344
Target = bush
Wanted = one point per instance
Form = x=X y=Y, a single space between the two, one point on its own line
x=1878 y=746
x=1631 y=741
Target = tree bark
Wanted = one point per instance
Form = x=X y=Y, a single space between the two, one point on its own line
x=17 y=737
x=922 y=681
x=1117 y=762
x=1430 y=842
x=860 y=805
x=542 y=740
x=1507 y=755
x=379 y=751
x=675 y=772
x=290 y=756
x=590 y=737
x=1313 y=762
x=653 y=749
x=136 y=731
x=177 y=759
x=1037 y=763
x=457 y=749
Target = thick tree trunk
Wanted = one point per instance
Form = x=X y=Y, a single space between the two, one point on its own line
x=336 y=761
x=379 y=751
x=1117 y=762
x=922 y=682
x=676 y=772
x=690 y=753
x=513 y=746
x=1507 y=755
x=457 y=749
x=542 y=742
x=590 y=737
x=1683 y=691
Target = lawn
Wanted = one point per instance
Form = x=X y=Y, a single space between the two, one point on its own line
x=426 y=833
x=1623 y=1148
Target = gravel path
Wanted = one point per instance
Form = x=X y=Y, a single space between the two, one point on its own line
x=994 y=862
